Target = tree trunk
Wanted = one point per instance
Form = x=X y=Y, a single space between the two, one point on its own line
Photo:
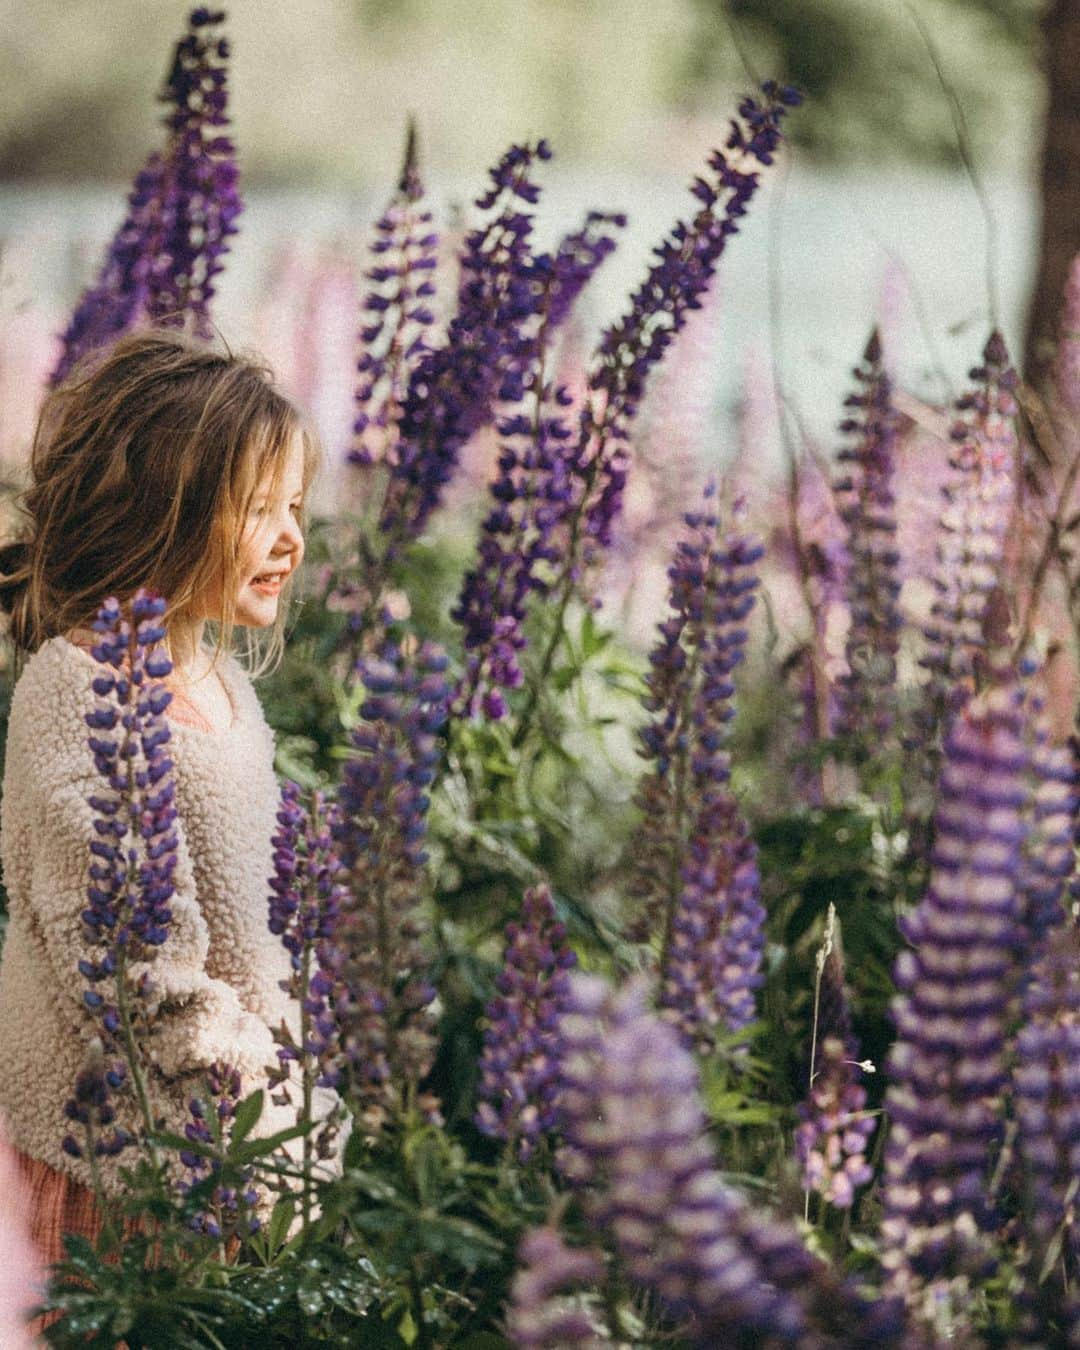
x=1059 y=239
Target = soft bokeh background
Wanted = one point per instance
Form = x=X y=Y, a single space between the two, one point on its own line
x=872 y=217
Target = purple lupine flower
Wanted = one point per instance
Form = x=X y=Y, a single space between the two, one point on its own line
x=230 y=1209
x=1046 y=1081
x=864 y=489
x=958 y=996
x=542 y=1314
x=120 y=295
x=970 y=549
x=1067 y=362
x=520 y=548
x=397 y=313
x=631 y=347
x=696 y=865
x=202 y=200
x=133 y=853
x=453 y=387
x=636 y=1147
x=304 y=904
x=834 y=1126
x=92 y=1107
x=380 y=990
x=182 y=209
x=519 y=1063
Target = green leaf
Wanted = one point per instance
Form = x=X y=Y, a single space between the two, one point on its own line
x=258 y=1148
x=281 y=1218
x=247 y=1114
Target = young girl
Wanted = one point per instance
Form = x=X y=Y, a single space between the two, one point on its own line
x=164 y=464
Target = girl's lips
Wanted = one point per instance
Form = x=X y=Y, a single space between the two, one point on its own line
x=267 y=587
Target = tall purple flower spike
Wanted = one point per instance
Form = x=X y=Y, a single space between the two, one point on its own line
x=958 y=996
x=631 y=347
x=397 y=312
x=637 y=1150
x=864 y=490
x=519 y=1063
x=523 y=536
x=306 y=899
x=973 y=525
x=452 y=389
x=133 y=852
x=542 y=1314
x=182 y=209
x=381 y=993
x=695 y=863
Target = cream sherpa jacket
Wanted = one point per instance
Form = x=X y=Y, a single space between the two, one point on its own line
x=217 y=973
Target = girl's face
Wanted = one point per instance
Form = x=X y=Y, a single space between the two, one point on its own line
x=271 y=544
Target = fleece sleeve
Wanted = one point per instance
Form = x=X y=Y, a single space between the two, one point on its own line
x=198 y=1019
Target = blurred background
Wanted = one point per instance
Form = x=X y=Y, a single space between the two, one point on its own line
x=914 y=196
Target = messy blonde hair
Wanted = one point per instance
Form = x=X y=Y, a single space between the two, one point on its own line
x=144 y=463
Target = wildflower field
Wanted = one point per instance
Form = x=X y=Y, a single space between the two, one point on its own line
x=725 y=994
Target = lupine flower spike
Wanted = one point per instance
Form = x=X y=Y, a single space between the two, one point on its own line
x=864 y=489
x=636 y=1146
x=522 y=535
x=834 y=1125
x=134 y=852
x=695 y=863
x=958 y=995
x=381 y=993
x=306 y=900
x=630 y=348
x=519 y=1064
x=182 y=209
x=398 y=314
x=979 y=502
x=452 y=388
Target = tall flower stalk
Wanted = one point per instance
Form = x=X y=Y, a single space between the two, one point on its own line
x=452 y=388
x=182 y=209
x=133 y=853
x=397 y=310
x=381 y=994
x=864 y=489
x=979 y=503
x=305 y=905
x=958 y=987
x=630 y=348
x=519 y=549
x=522 y=1045
x=695 y=870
